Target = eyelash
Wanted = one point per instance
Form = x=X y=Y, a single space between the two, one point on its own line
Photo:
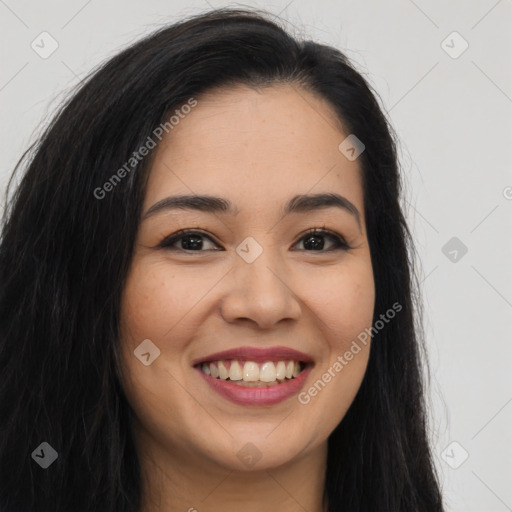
x=339 y=241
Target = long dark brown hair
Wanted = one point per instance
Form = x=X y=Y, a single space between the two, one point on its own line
x=64 y=257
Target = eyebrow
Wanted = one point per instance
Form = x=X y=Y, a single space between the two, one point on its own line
x=210 y=204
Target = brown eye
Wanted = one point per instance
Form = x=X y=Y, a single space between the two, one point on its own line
x=189 y=241
x=314 y=240
x=196 y=241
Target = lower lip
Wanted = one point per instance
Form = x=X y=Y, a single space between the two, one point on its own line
x=257 y=396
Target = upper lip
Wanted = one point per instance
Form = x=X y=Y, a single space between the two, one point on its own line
x=257 y=354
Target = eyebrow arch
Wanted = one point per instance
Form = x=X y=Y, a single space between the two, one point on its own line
x=298 y=204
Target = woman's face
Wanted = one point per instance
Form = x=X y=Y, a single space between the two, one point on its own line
x=249 y=277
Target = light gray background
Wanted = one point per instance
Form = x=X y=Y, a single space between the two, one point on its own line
x=454 y=119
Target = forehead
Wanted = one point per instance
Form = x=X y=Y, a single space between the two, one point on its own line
x=255 y=147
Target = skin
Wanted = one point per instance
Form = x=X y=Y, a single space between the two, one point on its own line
x=257 y=148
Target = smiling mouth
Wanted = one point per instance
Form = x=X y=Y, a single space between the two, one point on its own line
x=247 y=373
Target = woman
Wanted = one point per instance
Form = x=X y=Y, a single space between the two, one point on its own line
x=206 y=292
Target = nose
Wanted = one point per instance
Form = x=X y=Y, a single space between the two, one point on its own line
x=260 y=292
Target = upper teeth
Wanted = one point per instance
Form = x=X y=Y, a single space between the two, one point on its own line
x=249 y=371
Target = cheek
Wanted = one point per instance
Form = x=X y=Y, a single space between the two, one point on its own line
x=357 y=302
x=153 y=301
x=344 y=307
x=343 y=301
